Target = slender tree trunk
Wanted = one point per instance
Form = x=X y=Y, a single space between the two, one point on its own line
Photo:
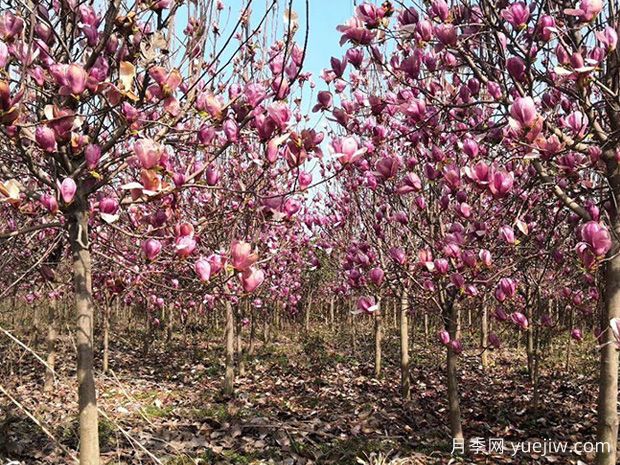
x=229 y=331
x=607 y=430
x=378 y=335
x=48 y=386
x=331 y=313
x=569 y=343
x=106 y=338
x=240 y=354
x=425 y=328
x=484 y=335
x=454 y=408
x=252 y=333
x=87 y=398
x=404 y=348
x=530 y=342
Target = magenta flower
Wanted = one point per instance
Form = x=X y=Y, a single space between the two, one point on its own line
x=398 y=255
x=347 y=150
x=587 y=11
x=151 y=248
x=507 y=234
x=68 y=189
x=494 y=341
x=242 y=257
x=523 y=113
x=217 y=263
x=576 y=334
x=184 y=246
x=517 y=15
x=444 y=337
x=501 y=183
x=49 y=202
x=376 y=275
x=148 y=152
x=597 y=237
x=520 y=320
x=92 y=155
x=203 y=269
x=456 y=346
x=251 y=279
x=608 y=37
x=355 y=31
x=367 y=305
x=46 y=138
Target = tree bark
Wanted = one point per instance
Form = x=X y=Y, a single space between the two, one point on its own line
x=607 y=430
x=484 y=336
x=48 y=386
x=404 y=348
x=378 y=335
x=454 y=408
x=82 y=276
x=331 y=313
x=229 y=332
x=106 y=339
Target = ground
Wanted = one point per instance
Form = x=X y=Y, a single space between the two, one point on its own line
x=305 y=399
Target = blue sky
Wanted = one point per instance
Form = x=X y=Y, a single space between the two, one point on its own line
x=325 y=16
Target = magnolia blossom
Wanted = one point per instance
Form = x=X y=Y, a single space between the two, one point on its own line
x=68 y=189
x=367 y=305
x=347 y=150
x=151 y=248
x=444 y=337
x=242 y=257
x=597 y=237
x=520 y=320
x=203 y=269
x=251 y=279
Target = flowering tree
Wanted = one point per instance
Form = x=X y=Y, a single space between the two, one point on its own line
x=109 y=112
x=524 y=94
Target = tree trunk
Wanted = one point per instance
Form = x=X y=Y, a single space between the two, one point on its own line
x=240 y=355
x=229 y=332
x=87 y=399
x=569 y=343
x=331 y=313
x=307 y=314
x=484 y=335
x=607 y=429
x=425 y=328
x=106 y=339
x=404 y=348
x=378 y=340
x=454 y=408
x=48 y=386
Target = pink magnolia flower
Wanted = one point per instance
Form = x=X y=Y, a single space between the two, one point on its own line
x=68 y=189
x=507 y=234
x=500 y=314
x=217 y=263
x=151 y=248
x=355 y=31
x=444 y=337
x=376 y=275
x=203 y=269
x=576 y=334
x=213 y=174
x=251 y=279
x=398 y=255
x=517 y=15
x=479 y=173
x=92 y=155
x=597 y=237
x=485 y=257
x=242 y=257
x=72 y=78
x=49 y=202
x=325 y=101
x=184 y=246
x=520 y=320
x=587 y=11
x=148 y=152
x=608 y=37
x=367 y=305
x=456 y=346
x=347 y=150
x=523 y=113
x=501 y=183
x=46 y=138
x=494 y=341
